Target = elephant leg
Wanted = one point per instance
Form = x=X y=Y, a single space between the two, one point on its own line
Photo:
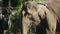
x=52 y=21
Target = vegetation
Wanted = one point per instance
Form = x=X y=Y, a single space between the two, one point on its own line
x=14 y=20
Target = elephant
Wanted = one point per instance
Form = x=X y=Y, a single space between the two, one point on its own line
x=44 y=15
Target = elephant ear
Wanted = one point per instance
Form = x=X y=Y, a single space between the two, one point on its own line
x=41 y=10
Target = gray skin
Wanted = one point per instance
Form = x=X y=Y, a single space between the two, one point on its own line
x=34 y=9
